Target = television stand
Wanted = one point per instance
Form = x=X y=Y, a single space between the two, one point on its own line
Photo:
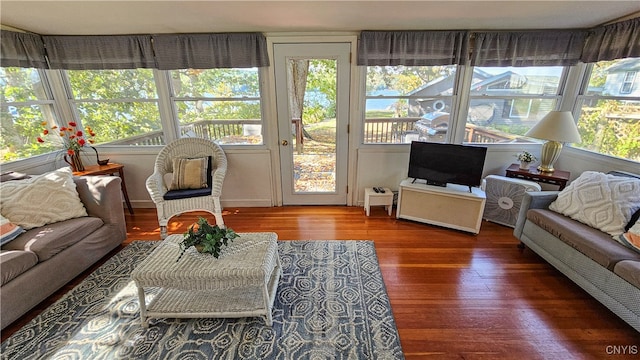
x=436 y=183
x=451 y=206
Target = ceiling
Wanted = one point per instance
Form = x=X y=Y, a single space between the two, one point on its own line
x=92 y=17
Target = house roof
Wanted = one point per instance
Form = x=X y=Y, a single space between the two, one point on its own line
x=632 y=64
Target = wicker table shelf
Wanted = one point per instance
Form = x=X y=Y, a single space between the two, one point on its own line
x=242 y=282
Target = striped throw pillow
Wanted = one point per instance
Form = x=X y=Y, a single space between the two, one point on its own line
x=189 y=173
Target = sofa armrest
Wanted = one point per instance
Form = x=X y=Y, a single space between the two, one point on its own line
x=102 y=197
x=533 y=200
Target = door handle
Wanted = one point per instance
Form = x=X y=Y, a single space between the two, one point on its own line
x=284 y=143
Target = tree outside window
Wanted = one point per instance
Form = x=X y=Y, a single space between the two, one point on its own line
x=609 y=110
x=25 y=104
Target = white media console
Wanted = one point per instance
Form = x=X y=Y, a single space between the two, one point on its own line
x=452 y=206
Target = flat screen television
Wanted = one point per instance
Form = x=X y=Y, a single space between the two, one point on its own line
x=439 y=164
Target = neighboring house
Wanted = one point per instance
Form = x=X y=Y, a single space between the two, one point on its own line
x=490 y=110
x=623 y=79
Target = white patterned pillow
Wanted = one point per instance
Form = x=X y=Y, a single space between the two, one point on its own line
x=605 y=202
x=42 y=199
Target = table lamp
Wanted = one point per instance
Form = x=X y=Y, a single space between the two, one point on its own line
x=557 y=127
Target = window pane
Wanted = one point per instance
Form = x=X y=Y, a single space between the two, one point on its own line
x=509 y=81
x=123 y=123
x=609 y=121
x=230 y=122
x=24 y=105
x=406 y=103
x=505 y=102
x=190 y=83
x=219 y=104
x=112 y=84
x=119 y=105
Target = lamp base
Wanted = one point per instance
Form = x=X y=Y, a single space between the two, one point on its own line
x=549 y=153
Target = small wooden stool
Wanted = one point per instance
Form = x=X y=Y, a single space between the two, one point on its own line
x=372 y=198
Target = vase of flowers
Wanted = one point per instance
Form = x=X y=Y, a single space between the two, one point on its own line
x=206 y=238
x=525 y=158
x=73 y=141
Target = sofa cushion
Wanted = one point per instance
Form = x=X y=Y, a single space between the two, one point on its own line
x=605 y=202
x=629 y=270
x=48 y=240
x=14 y=263
x=22 y=200
x=593 y=243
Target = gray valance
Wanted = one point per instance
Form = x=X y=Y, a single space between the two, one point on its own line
x=98 y=52
x=528 y=48
x=22 y=50
x=206 y=51
x=412 y=48
x=615 y=41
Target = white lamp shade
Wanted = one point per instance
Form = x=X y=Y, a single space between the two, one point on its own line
x=556 y=126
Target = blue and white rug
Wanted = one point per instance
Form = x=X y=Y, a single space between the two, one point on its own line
x=331 y=303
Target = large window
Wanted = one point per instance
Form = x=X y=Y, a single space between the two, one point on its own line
x=219 y=104
x=609 y=109
x=121 y=106
x=505 y=102
x=25 y=104
x=405 y=103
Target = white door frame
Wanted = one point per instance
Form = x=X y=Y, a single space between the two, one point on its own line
x=270 y=116
x=341 y=53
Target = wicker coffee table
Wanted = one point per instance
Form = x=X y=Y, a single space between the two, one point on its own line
x=242 y=282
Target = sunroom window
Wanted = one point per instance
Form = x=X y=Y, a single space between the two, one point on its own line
x=25 y=103
x=219 y=104
x=121 y=106
x=505 y=102
x=609 y=118
x=408 y=103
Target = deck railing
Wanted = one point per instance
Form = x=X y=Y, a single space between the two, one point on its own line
x=376 y=131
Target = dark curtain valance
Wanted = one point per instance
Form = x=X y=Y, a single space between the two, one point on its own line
x=99 y=52
x=615 y=41
x=528 y=48
x=412 y=48
x=205 y=51
x=22 y=50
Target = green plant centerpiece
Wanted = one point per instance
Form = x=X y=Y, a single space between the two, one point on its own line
x=206 y=238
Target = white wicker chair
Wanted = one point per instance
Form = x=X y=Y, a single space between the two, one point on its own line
x=187 y=148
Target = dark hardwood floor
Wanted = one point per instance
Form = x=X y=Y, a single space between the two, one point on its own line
x=454 y=295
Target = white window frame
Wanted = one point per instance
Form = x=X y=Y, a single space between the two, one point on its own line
x=260 y=99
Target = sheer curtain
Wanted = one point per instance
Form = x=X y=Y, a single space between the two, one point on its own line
x=527 y=48
x=205 y=51
x=615 y=41
x=412 y=48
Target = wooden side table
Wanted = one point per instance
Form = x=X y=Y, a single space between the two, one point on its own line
x=109 y=169
x=558 y=177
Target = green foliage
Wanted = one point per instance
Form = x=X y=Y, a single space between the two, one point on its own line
x=607 y=128
x=206 y=238
x=404 y=78
x=321 y=79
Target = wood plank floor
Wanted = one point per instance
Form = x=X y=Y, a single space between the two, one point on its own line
x=454 y=295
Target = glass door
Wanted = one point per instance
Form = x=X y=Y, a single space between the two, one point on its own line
x=312 y=99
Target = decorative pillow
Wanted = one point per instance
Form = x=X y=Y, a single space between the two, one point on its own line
x=631 y=238
x=602 y=201
x=23 y=200
x=8 y=230
x=189 y=173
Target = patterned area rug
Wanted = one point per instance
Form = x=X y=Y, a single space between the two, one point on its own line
x=331 y=303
